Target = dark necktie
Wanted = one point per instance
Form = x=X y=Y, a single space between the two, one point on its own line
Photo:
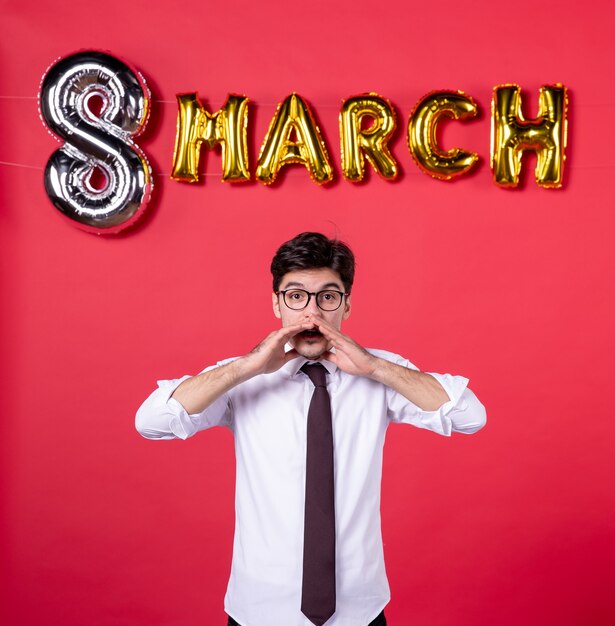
x=318 y=590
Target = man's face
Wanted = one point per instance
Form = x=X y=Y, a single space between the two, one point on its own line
x=311 y=343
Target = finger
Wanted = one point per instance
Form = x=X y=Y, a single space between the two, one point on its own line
x=320 y=322
x=287 y=332
x=325 y=328
x=280 y=336
x=330 y=332
x=341 y=342
x=297 y=328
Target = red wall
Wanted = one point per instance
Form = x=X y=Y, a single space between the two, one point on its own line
x=512 y=288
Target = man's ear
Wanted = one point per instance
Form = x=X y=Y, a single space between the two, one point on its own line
x=275 y=302
x=347 y=307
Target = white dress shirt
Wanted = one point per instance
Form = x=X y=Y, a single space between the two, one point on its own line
x=268 y=417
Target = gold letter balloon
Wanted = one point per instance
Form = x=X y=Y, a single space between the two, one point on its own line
x=357 y=139
x=227 y=127
x=293 y=137
x=511 y=135
x=422 y=128
x=96 y=104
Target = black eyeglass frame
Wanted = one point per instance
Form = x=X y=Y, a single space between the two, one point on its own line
x=310 y=294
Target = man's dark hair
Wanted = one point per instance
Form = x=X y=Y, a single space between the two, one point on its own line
x=311 y=251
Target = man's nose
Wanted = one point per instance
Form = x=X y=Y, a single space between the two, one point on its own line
x=312 y=307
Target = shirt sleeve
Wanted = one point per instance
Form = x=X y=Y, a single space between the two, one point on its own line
x=163 y=417
x=462 y=413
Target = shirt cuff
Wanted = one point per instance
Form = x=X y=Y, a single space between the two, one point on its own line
x=439 y=420
x=180 y=421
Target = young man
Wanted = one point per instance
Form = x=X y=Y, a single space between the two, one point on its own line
x=309 y=408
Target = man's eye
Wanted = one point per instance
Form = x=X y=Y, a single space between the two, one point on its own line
x=328 y=296
x=296 y=295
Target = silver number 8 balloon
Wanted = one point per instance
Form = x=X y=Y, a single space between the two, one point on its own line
x=95 y=103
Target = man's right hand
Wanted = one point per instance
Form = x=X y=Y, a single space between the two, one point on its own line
x=269 y=355
x=197 y=393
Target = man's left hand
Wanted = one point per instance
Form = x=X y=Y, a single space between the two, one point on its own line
x=420 y=388
x=349 y=356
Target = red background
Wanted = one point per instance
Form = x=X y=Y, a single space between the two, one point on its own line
x=512 y=288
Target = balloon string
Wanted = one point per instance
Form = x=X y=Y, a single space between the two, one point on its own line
x=219 y=174
x=30 y=167
x=585 y=105
x=40 y=169
x=266 y=104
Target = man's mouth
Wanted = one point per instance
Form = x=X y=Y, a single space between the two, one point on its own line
x=310 y=334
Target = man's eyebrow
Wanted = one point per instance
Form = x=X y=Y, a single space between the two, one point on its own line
x=323 y=287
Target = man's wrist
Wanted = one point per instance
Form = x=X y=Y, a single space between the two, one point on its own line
x=380 y=369
x=246 y=367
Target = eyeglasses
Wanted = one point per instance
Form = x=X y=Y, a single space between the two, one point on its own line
x=298 y=299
